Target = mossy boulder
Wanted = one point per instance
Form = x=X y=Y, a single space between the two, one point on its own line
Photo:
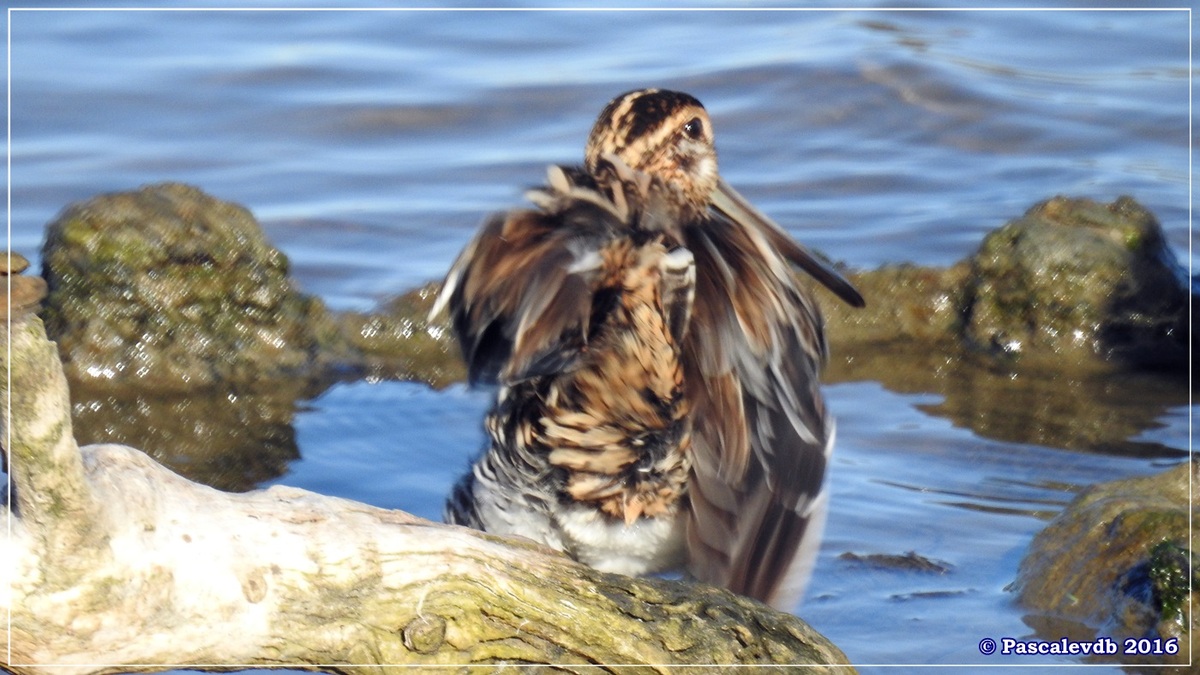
x=1077 y=279
x=906 y=303
x=170 y=288
x=1118 y=561
x=1071 y=284
x=399 y=341
x=166 y=288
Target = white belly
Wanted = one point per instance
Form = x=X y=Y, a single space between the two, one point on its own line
x=648 y=545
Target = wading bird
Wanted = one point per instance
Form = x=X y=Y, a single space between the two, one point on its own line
x=656 y=359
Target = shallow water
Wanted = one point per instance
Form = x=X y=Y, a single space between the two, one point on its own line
x=371 y=144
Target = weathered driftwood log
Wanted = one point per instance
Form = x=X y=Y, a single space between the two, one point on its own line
x=115 y=564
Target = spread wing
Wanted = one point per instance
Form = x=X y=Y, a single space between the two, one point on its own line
x=527 y=292
x=762 y=436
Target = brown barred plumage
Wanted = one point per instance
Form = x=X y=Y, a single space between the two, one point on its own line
x=657 y=361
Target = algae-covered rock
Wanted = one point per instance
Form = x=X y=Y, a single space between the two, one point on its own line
x=1118 y=561
x=1071 y=284
x=399 y=341
x=169 y=287
x=905 y=303
x=1077 y=279
x=1068 y=328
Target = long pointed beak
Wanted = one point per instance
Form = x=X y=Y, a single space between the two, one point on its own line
x=735 y=207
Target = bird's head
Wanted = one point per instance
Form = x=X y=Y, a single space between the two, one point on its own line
x=665 y=134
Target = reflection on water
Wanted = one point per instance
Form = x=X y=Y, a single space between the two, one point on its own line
x=229 y=440
x=1101 y=411
x=236 y=440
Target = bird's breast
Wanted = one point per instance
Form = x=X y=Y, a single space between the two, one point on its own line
x=617 y=426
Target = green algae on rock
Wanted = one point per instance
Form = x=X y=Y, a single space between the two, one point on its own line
x=168 y=288
x=1116 y=562
x=401 y=327
x=171 y=288
x=906 y=303
x=1068 y=329
x=1073 y=283
x=1075 y=278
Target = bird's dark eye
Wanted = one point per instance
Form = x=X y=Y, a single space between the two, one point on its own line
x=694 y=129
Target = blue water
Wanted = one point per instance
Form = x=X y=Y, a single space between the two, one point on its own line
x=371 y=144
